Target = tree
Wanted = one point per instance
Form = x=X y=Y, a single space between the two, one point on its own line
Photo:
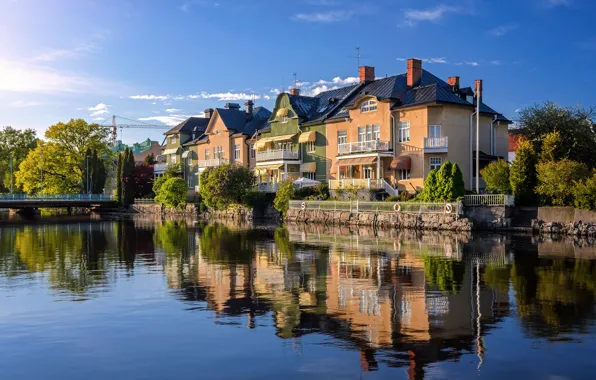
x=574 y=125
x=57 y=165
x=430 y=190
x=172 y=193
x=496 y=176
x=285 y=193
x=555 y=180
x=143 y=180
x=119 y=177
x=16 y=144
x=551 y=147
x=128 y=190
x=459 y=187
x=97 y=175
x=150 y=159
x=225 y=185
x=444 y=182
x=584 y=193
x=522 y=173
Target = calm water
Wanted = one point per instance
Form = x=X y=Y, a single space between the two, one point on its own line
x=140 y=299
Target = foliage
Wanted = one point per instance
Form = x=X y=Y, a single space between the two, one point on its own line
x=172 y=237
x=142 y=177
x=403 y=196
x=98 y=173
x=119 y=177
x=225 y=185
x=550 y=147
x=317 y=193
x=285 y=193
x=445 y=274
x=149 y=159
x=522 y=173
x=17 y=143
x=555 y=179
x=174 y=170
x=458 y=186
x=172 y=193
x=128 y=184
x=431 y=189
x=61 y=158
x=577 y=140
x=255 y=200
x=496 y=176
x=444 y=182
x=584 y=193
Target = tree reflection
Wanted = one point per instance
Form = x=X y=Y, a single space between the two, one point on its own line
x=445 y=274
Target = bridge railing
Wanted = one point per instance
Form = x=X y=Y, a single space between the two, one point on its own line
x=55 y=197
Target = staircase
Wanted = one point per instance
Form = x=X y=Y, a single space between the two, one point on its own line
x=389 y=189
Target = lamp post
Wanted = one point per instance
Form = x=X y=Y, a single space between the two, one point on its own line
x=11 y=187
x=87 y=172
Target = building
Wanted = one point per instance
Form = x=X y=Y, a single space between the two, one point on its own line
x=381 y=135
x=140 y=150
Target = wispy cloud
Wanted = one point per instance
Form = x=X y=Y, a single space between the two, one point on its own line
x=173 y=110
x=149 y=97
x=556 y=3
x=325 y=17
x=500 y=31
x=168 y=120
x=98 y=110
x=229 y=96
x=413 y=16
x=426 y=60
x=496 y=63
x=23 y=104
x=50 y=55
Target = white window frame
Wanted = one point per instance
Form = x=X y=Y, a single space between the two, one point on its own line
x=207 y=155
x=236 y=152
x=310 y=176
x=403 y=174
x=173 y=139
x=403 y=128
x=367 y=172
x=376 y=132
x=434 y=128
x=435 y=163
x=253 y=152
x=368 y=106
x=310 y=147
x=173 y=159
x=342 y=137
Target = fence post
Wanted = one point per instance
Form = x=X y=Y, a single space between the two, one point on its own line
x=356 y=206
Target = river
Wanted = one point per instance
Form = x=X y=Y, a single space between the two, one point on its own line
x=88 y=298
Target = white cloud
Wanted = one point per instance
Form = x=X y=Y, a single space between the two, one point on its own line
x=325 y=17
x=229 y=96
x=556 y=3
x=426 y=60
x=472 y=63
x=414 y=16
x=168 y=120
x=496 y=63
x=502 y=30
x=266 y=97
x=149 y=97
x=98 y=110
x=173 y=110
x=50 y=55
x=23 y=104
x=275 y=91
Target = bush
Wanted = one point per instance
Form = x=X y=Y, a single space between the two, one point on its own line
x=458 y=187
x=318 y=193
x=584 y=193
x=285 y=193
x=225 y=185
x=255 y=200
x=403 y=196
x=555 y=180
x=172 y=193
x=496 y=176
x=444 y=182
x=430 y=191
x=522 y=174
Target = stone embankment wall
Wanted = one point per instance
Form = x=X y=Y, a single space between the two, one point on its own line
x=157 y=209
x=565 y=221
x=239 y=213
x=448 y=222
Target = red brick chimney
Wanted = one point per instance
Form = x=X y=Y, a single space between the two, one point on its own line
x=478 y=87
x=414 y=71
x=454 y=82
x=295 y=91
x=367 y=74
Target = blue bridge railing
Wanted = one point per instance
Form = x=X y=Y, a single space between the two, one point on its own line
x=55 y=197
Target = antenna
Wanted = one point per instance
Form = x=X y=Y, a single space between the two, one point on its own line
x=358 y=56
x=295 y=80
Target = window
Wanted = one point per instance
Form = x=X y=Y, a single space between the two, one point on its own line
x=284 y=119
x=218 y=152
x=368 y=106
x=369 y=133
x=376 y=132
x=342 y=137
x=404 y=131
x=207 y=155
x=368 y=172
x=174 y=140
x=404 y=174
x=310 y=147
x=435 y=163
x=434 y=131
x=173 y=159
x=252 y=152
x=309 y=175
x=236 y=152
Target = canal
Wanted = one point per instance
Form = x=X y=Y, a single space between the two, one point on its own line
x=145 y=299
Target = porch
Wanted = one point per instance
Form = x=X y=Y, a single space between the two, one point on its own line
x=270 y=176
x=365 y=172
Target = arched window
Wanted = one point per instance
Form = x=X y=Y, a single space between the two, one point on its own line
x=368 y=106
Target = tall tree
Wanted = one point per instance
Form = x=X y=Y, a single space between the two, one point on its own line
x=130 y=183
x=58 y=164
x=523 y=173
x=16 y=144
x=150 y=159
x=119 y=177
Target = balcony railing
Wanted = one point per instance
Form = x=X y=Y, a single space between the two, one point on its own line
x=374 y=184
x=212 y=163
x=276 y=155
x=436 y=144
x=159 y=168
x=267 y=187
x=363 y=147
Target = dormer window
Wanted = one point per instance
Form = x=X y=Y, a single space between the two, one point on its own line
x=284 y=119
x=368 y=106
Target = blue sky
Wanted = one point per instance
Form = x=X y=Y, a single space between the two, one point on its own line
x=161 y=61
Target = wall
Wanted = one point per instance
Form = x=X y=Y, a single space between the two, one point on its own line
x=488 y=218
x=556 y=214
x=320 y=154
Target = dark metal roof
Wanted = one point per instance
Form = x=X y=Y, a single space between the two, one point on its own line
x=302 y=105
x=258 y=122
x=234 y=119
x=197 y=124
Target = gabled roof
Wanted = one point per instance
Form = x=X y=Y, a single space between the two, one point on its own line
x=196 y=124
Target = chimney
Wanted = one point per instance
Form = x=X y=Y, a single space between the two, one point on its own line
x=414 y=71
x=367 y=74
x=454 y=82
x=295 y=91
x=249 y=109
x=208 y=113
x=478 y=88
x=232 y=106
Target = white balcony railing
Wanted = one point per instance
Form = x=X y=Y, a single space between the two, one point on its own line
x=362 y=183
x=275 y=155
x=212 y=163
x=159 y=168
x=436 y=143
x=363 y=147
x=267 y=187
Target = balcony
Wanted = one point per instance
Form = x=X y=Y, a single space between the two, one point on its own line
x=267 y=187
x=277 y=155
x=362 y=147
x=436 y=144
x=213 y=163
x=159 y=168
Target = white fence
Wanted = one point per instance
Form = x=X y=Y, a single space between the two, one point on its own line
x=274 y=155
x=489 y=200
x=358 y=206
x=362 y=147
x=213 y=163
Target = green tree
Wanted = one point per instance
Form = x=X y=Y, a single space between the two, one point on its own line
x=584 y=193
x=225 y=185
x=285 y=193
x=555 y=180
x=522 y=173
x=16 y=144
x=459 y=187
x=431 y=189
x=128 y=183
x=496 y=176
x=445 y=274
x=60 y=159
x=444 y=182
x=97 y=173
x=172 y=193
x=150 y=159
x=119 y=177
x=550 y=150
x=574 y=125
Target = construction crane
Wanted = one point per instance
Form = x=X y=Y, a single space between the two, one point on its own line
x=139 y=125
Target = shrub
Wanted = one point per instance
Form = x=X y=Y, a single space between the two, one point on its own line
x=172 y=193
x=430 y=190
x=555 y=180
x=444 y=182
x=584 y=193
x=225 y=185
x=255 y=200
x=496 y=176
x=458 y=187
x=522 y=174
x=403 y=196
x=285 y=193
x=320 y=192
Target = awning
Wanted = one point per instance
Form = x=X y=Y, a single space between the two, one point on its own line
x=268 y=167
x=307 y=137
x=357 y=161
x=167 y=152
x=262 y=142
x=401 y=163
x=186 y=154
x=308 y=167
x=281 y=113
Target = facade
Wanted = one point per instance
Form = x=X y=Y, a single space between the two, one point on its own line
x=140 y=150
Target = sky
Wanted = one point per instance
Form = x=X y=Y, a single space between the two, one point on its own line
x=161 y=61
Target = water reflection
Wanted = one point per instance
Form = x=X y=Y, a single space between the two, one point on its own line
x=401 y=299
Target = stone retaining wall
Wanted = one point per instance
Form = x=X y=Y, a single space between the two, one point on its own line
x=450 y=222
x=566 y=228
x=157 y=209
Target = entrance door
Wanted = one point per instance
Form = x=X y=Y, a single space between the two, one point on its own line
x=368 y=172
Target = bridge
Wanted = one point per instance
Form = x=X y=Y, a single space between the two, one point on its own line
x=36 y=201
